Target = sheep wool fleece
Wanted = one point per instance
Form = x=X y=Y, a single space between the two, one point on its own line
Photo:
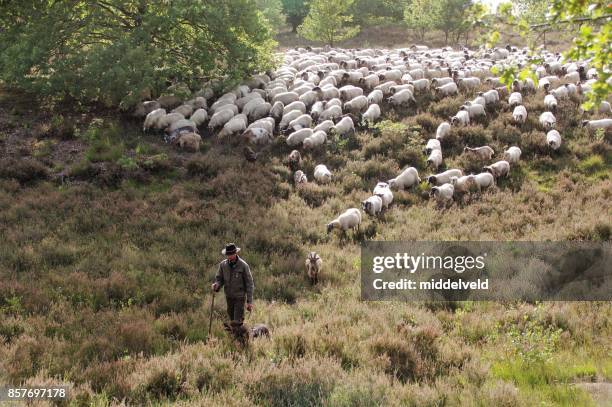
x=237 y=282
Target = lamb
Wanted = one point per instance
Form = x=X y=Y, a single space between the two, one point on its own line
x=313 y=267
x=199 y=117
x=220 y=118
x=373 y=205
x=237 y=124
x=322 y=174
x=383 y=190
x=295 y=160
x=356 y=105
x=597 y=124
x=299 y=177
x=257 y=135
x=443 y=130
x=474 y=110
x=435 y=159
x=376 y=96
x=408 y=178
x=350 y=219
x=325 y=126
x=519 y=114
x=298 y=136
x=443 y=193
x=300 y=122
x=318 y=138
x=432 y=144
x=553 y=139
x=483 y=153
x=444 y=177
x=512 y=155
x=188 y=140
x=550 y=102
x=372 y=114
x=547 y=120
x=345 y=126
x=484 y=180
x=462 y=118
x=447 y=90
x=153 y=119
x=515 y=99
x=498 y=169
x=402 y=97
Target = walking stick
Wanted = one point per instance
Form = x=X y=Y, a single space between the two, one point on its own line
x=212 y=305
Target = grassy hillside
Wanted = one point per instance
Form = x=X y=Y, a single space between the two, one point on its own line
x=110 y=240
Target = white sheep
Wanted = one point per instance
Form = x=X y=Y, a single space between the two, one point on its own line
x=286 y=97
x=316 y=109
x=376 y=96
x=553 y=139
x=550 y=101
x=299 y=177
x=237 y=124
x=444 y=177
x=484 y=180
x=372 y=114
x=432 y=144
x=498 y=169
x=408 y=178
x=153 y=119
x=169 y=119
x=402 y=97
x=350 y=92
x=199 y=117
x=288 y=118
x=297 y=105
x=356 y=105
x=373 y=205
x=490 y=96
x=318 y=138
x=383 y=190
x=257 y=135
x=443 y=130
x=345 y=126
x=547 y=120
x=519 y=114
x=370 y=81
x=265 y=123
x=474 y=110
x=597 y=124
x=220 y=118
x=463 y=185
x=300 y=122
x=435 y=159
x=350 y=219
x=185 y=110
x=443 y=193
x=462 y=118
x=483 y=153
x=188 y=140
x=322 y=174
x=468 y=84
x=276 y=112
x=420 y=85
x=515 y=99
x=298 y=136
x=332 y=112
x=314 y=265
x=324 y=126
x=447 y=90
x=512 y=155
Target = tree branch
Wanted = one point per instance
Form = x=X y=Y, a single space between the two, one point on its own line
x=575 y=20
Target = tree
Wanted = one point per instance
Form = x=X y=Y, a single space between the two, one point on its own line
x=371 y=12
x=296 y=11
x=273 y=12
x=327 y=21
x=453 y=17
x=423 y=16
x=111 y=51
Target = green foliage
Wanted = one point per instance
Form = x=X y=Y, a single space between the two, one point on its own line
x=372 y=12
x=455 y=17
x=327 y=21
x=272 y=11
x=119 y=51
x=423 y=15
x=296 y=11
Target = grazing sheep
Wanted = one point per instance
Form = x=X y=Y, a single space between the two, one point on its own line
x=322 y=174
x=257 y=135
x=295 y=160
x=154 y=120
x=189 y=141
x=237 y=124
x=370 y=81
x=332 y=112
x=474 y=110
x=350 y=219
x=468 y=84
x=288 y=118
x=462 y=118
x=444 y=177
x=298 y=136
x=376 y=96
x=463 y=185
x=276 y=112
x=314 y=265
x=295 y=106
x=484 y=180
x=515 y=99
x=435 y=159
x=356 y=105
x=286 y=97
x=483 y=153
x=220 y=118
x=519 y=115
x=435 y=82
x=402 y=97
x=547 y=120
x=299 y=177
x=199 y=117
x=490 y=96
x=318 y=138
x=443 y=193
x=447 y=90
x=265 y=123
x=185 y=110
x=350 y=92
x=345 y=126
x=372 y=114
x=512 y=155
x=373 y=205
x=169 y=119
x=198 y=103
x=421 y=85
x=432 y=144
x=550 y=102
x=325 y=126
x=249 y=154
x=561 y=92
x=498 y=169
x=144 y=108
x=443 y=130
x=383 y=190
x=408 y=178
x=597 y=124
x=553 y=139
x=300 y=122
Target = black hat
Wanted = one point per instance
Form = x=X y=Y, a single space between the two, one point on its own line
x=230 y=248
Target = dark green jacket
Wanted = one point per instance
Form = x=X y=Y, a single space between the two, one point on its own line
x=236 y=281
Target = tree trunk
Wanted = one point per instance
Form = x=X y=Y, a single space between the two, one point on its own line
x=445 y=37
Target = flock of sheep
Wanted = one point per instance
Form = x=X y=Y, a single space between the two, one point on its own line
x=317 y=92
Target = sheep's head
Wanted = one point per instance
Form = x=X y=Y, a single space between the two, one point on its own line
x=488 y=169
x=365 y=205
x=453 y=180
x=330 y=227
x=431 y=180
x=434 y=192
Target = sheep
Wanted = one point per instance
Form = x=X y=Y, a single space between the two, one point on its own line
x=391 y=75
x=266 y=123
x=356 y=105
x=550 y=101
x=153 y=119
x=182 y=125
x=144 y=108
x=300 y=122
x=463 y=185
x=435 y=159
x=322 y=174
x=332 y=112
x=402 y=97
x=474 y=110
x=325 y=126
x=314 y=265
x=316 y=109
x=385 y=87
x=344 y=127
x=220 y=118
x=408 y=178
x=478 y=100
x=597 y=124
x=318 y=138
x=286 y=97
x=443 y=193
x=199 y=117
x=462 y=118
x=498 y=169
x=350 y=92
x=376 y=96
x=298 y=136
x=299 y=177
x=444 y=177
x=547 y=120
x=327 y=92
x=370 y=81
x=420 y=85
x=468 y=83
x=490 y=96
x=350 y=219
x=483 y=153
x=276 y=112
x=295 y=106
x=309 y=98
x=447 y=90
x=519 y=114
x=288 y=118
x=250 y=98
x=553 y=139
x=515 y=99
x=484 y=180
x=237 y=124
x=383 y=190
x=397 y=88
x=435 y=82
x=373 y=205
x=512 y=155
x=185 y=110
x=443 y=130
x=372 y=114
x=249 y=154
x=294 y=160
x=432 y=144
x=561 y=92
x=188 y=140
x=257 y=135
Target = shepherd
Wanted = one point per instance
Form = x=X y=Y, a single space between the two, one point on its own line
x=234 y=275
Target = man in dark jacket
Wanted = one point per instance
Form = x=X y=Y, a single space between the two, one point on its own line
x=234 y=275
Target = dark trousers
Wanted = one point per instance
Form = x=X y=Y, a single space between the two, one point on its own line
x=235 y=308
